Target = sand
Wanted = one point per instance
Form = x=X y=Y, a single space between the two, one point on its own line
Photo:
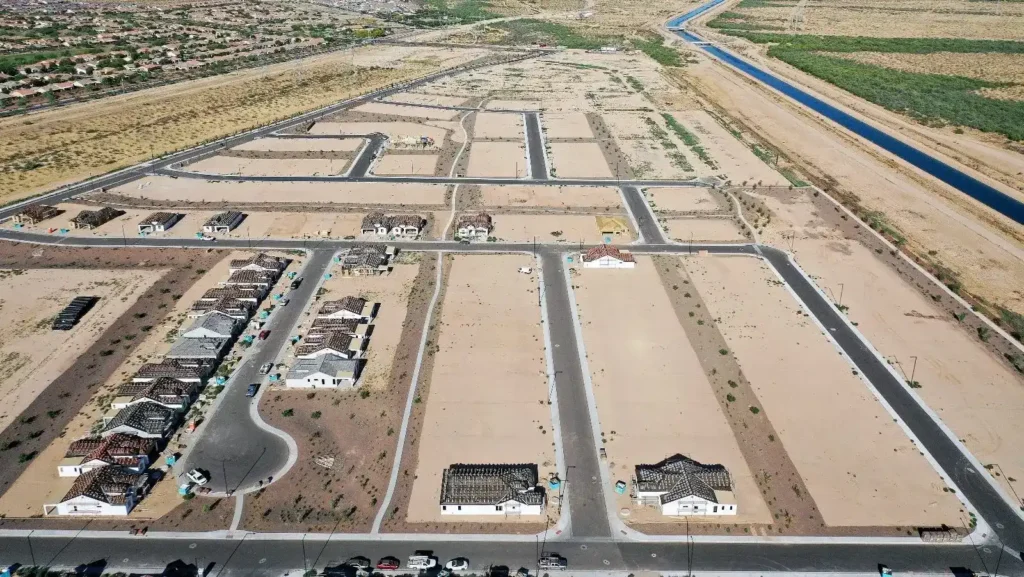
x=498 y=125
x=626 y=125
x=566 y=125
x=731 y=157
x=706 y=229
x=32 y=355
x=406 y=164
x=863 y=473
x=297 y=225
x=394 y=130
x=488 y=391
x=583 y=160
x=648 y=159
x=974 y=393
x=410 y=111
x=682 y=199
x=498 y=159
x=233 y=165
x=573 y=229
x=670 y=407
x=553 y=196
x=432 y=99
x=191 y=190
x=303 y=144
x=523 y=105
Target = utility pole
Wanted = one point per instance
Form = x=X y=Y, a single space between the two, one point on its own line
x=842 y=287
x=913 y=370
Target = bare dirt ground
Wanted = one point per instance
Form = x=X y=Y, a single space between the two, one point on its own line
x=670 y=407
x=74 y=142
x=551 y=228
x=708 y=229
x=357 y=430
x=787 y=360
x=64 y=407
x=487 y=400
x=394 y=130
x=683 y=199
x=550 y=196
x=421 y=98
x=269 y=167
x=583 y=160
x=410 y=111
x=407 y=164
x=498 y=125
x=566 y=125
x=302 y=144
x=32 y=355
x=729 y=156
x=165 y=188
x=498 y=159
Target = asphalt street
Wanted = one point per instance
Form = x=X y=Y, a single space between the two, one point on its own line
x=232 y=448
x=535 y=144
x=368 y=154
x=650 y=230
x=588 y=513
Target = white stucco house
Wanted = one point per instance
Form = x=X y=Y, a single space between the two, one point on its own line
x=324 y=371
x=680 y=486
x=349 y=308
x=605 y=256
x=106 y=492
x=491 y=490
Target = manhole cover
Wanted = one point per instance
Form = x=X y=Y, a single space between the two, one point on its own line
x=191 y=545
x=584 y=547
x=606 y=562
x=263 y=560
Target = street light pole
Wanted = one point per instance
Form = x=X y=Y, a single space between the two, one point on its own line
x=913 y=370
x=841 y=289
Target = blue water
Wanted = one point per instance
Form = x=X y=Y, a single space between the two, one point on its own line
x=1001 y=203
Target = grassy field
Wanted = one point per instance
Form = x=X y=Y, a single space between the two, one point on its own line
x=444 y=13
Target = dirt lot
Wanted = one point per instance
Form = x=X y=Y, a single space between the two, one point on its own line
x=489 y=366
x=566 y=125
x=359 y=432
x=410 y=111
x=551 y=228
x=407 y=164
x=498 y=159
x=165 y=188
x=848 y=470
x=394 y=130
x=670 y=407
x=498 y=125
x=73 y=142
x=268 y=167
x=684 y=199
x=303 y=144
x=72 y=402
x=583 y=160
x=706 y=229
x=550 y=196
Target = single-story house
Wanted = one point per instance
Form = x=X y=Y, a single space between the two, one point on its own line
x=210 y=349
x=680 y=486
x=84 y=455
x=253 y=294
x=335 y=343
x=366 y=260
x=144 y=420
x=235 y=308
x=259 y=263
x=224 y=221
x=326 y=371
x=212 y=325
x=165 y=391
x=159 y=222
x=400 y=225
x=474 y=227
x=37 y=213
x=491 y=490
x=353 y=327
x=251 y=278
x=349 y=308
x=605 y=256
x=90 y=219
x=104 y=492
x=169 y=368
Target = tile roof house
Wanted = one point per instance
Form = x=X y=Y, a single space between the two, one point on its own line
x=605 y=256
x=170 y=393
x=326 y=371
x=365 y=260
x=253 y=294
x=399 y=225
x=251 y=278
x=144 y=420
x=491 y=490
x=354 y=327
x=108 y=491
x=349 y=307
x=212 y=325
x=36 y=213
x=240 y=309
x=211 y=349
x=172 y=369
x=84 y=455
x=336 y=343
x=224 y=221
x=682 y=486
x=158 y=222
x=90 y=219
x=475 y=226
x=260 y=263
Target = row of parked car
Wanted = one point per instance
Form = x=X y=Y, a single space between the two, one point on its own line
x=425 y=561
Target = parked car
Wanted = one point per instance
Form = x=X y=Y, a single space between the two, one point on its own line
x=264 y=334
x=198 y=477
x=296 y=283
x=208 y=238
x=422 y=562
x=553 y=561
x=359 y=562
x=266 y=368
x=389 y=563
x=457 y=564
x=252 y=390
x=283 y=302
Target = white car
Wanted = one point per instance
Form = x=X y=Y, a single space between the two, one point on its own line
x=422 y=562
x=198 y=477
x=457 y=564
x=208 y=237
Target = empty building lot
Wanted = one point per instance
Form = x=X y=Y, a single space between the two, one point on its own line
x=488 y=390
x=550 y=196
x=571 y=228
x=269 y=167
x=493 y=125
x=302 y=145
x=582 y=160
x=566 y=125
x=682 y=199
x=394 y=130
x=857 y=463
x=653 y=398
x=497 y=159
x=706 y=229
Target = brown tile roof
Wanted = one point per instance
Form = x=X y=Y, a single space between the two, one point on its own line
x=225 y=305
x=95 y=218
x=169 y=368
x=261 y=260
x=159 y=218
x=232 y=292
x=336 y=340
x=321 y=325
x=253 y=277
x=146 y=417
x=117 y=449
x=108 y=484
x=351 y=304
x=482 y=220
x=605 y=250
x=161 y=390
x=38 y=212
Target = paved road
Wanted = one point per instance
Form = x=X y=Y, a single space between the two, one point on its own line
x=259 y=557
x=588 y=513
x=232 y=448
x=367 y=155
x=650 y=230
x=535 y=144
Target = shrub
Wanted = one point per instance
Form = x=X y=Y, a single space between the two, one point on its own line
x=755 y=410
x=723 y=352
x=730 y=397
x=316 y=414
x=287 y=412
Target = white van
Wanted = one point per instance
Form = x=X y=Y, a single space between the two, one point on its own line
x=422 y=562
